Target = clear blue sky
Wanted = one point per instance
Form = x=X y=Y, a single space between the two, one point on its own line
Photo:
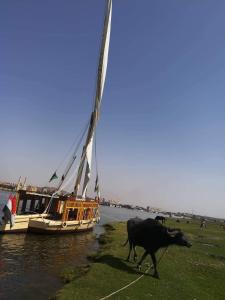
x=161 y=136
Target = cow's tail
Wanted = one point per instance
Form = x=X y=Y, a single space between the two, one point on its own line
x=125 y=243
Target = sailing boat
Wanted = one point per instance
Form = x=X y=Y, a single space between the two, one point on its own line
x=72 y=213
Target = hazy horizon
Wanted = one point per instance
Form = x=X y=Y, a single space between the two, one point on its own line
x=161 y=131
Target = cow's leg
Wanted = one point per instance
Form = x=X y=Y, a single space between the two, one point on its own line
x=156 y=275
x=135 y=253
x=128 y=257
x=140 y=262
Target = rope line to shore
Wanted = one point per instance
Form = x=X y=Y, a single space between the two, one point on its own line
x=134 y=281
x=126 y=286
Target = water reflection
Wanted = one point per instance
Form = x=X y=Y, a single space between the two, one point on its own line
x=30 y=264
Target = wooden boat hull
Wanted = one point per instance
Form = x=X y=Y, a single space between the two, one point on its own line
x=51 y=227
x=21 y=223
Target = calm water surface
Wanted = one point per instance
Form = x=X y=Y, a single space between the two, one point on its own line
x=30 y=264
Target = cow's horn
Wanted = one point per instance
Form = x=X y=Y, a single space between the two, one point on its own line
x=172 y=231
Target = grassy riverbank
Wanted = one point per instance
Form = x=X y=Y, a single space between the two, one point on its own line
x=194 y=273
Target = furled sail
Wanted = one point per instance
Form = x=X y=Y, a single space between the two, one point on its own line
x=88 y=167
x=102 y=67
x=97 y=189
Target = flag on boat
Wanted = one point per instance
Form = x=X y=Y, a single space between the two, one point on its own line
x=9 y=210
x=13 y=200
x=54 y=176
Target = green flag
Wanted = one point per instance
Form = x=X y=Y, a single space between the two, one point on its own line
x=54 y=176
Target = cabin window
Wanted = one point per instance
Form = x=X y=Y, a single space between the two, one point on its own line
x=32 y=205
x=19 y=207
x=87 y=213
x=60 y=206
x=72 y=214
x=40 y=207
x=36 y=204
x=95 y=210
x=28 y=205
x=24 y=205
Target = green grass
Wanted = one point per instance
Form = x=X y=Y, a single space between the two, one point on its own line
x=185 y=273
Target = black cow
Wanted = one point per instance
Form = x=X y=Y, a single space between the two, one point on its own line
x=160 y=218
x=152 y=235
x=131 y=223
x=130 y=229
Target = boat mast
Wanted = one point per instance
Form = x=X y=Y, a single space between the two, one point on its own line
x=102 y=66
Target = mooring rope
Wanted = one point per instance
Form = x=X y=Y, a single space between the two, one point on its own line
x=126 y=286
x=134 y=281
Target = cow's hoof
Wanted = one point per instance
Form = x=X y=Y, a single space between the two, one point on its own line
x=139 y=267
x=156 y=275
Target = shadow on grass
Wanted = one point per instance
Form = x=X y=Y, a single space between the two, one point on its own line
x=122 y=265
x=118 y=263
x=219 y=257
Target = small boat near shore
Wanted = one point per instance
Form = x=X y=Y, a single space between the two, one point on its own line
x=20 y=208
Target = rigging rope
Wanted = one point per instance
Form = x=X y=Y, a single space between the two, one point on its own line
x=81 y=135
x=60 y=189
x=68 y=181
x=70 y=163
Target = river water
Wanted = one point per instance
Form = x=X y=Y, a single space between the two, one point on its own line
x=30 y=264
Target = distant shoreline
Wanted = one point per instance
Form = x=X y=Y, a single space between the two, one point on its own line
x=6 y=189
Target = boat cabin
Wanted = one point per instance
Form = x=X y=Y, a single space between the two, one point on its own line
x=31 y=202
x=73 y=209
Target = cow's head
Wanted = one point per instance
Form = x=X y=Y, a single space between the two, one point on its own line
x=180 y=239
